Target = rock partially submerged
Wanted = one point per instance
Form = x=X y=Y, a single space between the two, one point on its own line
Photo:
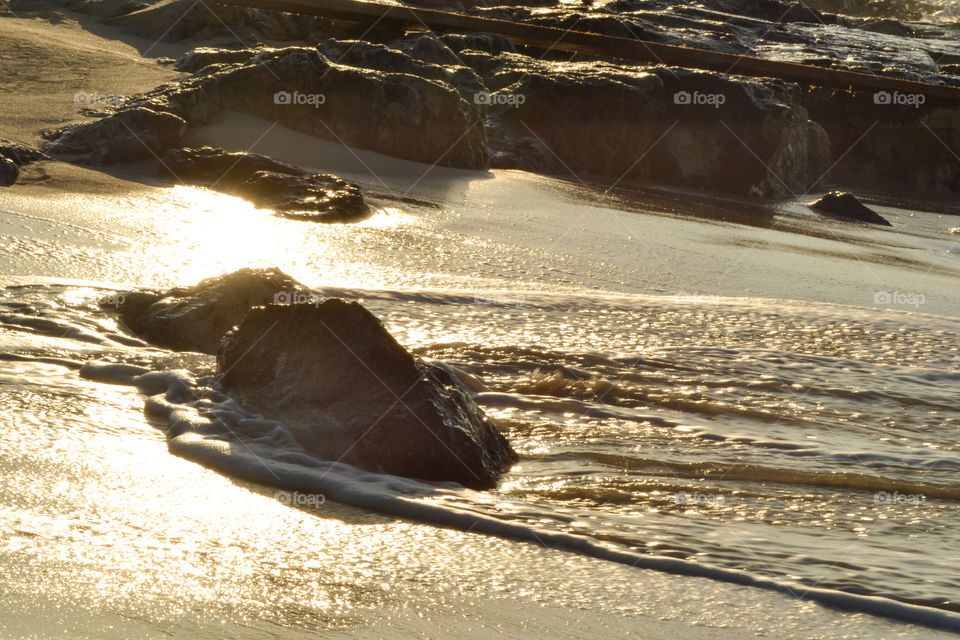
x=289 y=190
x=196 y=318
x=348 y=391
x=330 y=371
x=845 y=205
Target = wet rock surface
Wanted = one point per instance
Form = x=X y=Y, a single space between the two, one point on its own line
x=413 y=110
x=290 y=191
x=845 y=205
x=196 y=318
x=670 y=126
x=14 y=155
x=135 y=133
x=348 y=391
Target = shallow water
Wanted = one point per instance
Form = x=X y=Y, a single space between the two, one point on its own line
x=775 y=398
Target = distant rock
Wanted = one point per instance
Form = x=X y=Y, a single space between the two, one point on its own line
x=845 y=205
x=348 y=391
x=196 y=318
x=290 y=191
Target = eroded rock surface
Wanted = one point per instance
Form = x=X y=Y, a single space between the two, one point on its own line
x=348 y=391
x=134 y=133
x=411 y=110
x=14 y=155
x=290 y=191
x=196 y=318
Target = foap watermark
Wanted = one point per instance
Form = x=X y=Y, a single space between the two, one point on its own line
x=715 y=100
x=96 y=98
x=115 y=300
x=297 y=98
x=502 y=299
x=297 y=297
x=510 y=99
x=899 y=299
x=896 y=98
x=698 y=499
x=297 y=499
x=885 y=497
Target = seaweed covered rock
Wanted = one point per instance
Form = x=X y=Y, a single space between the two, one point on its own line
x=844 y=205
x=196 y=318
x=290 y=191
x=349 y=392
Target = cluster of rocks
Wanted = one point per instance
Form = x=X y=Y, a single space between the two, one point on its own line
x=330 y=371
x=476 y=101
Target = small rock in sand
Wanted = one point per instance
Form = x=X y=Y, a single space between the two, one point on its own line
x=845 y=205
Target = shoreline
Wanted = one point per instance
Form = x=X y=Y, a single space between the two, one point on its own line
x=687 y=238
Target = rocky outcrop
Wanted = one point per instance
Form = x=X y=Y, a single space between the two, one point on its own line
x=612 y=124
x=891 y=143
x=134 y=133
x=348 y=391
x=14 y=155
x=290 y=191
x=844 y=205
x=394 y=105
x=196 y=318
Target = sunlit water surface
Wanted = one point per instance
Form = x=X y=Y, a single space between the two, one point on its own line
x=741 y=396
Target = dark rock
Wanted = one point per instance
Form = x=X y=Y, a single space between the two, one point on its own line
x=411 y=110
x=887 y=147
x=610 y=123
x=133 y=133
x=210 y=166
x=14 y=155
x=314 y=198
x=845 y=205
x=19 y=153
x=196 y=59
x=348 y=391
x=196 y=318
x=9 y=172
x=290 y=191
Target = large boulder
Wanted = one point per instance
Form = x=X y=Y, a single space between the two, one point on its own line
x=289 y=190
x=349 y=392
x=196 y=318
x=136 y=133
x=394 y=105
x=613 y=124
